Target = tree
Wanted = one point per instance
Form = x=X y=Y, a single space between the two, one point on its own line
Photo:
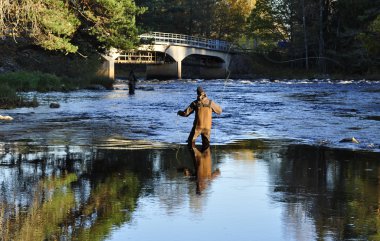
x=225 y=19
x=50 y=24
x=53 y=24
x=350 y=20
x=370 y=38
x=111 y=22
x=263 y=26
x=230 y=19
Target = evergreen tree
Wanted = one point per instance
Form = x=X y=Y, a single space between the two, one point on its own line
x=52 y=24
x=263 y=26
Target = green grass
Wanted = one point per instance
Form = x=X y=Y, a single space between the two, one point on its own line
x=14 y=82
x=9 y=98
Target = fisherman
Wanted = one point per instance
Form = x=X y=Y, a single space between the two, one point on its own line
x=203 y=108
x=132 y=82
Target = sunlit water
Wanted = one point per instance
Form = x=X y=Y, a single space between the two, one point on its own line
x=314 y=112
x=109 y=166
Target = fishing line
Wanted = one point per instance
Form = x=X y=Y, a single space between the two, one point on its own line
x=294 y=60
x=178 y=144
x=266 y=56
x=225 y=82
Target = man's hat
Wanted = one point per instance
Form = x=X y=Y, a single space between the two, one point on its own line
x=199 y=90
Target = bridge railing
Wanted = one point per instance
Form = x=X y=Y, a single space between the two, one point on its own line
x=186 y=40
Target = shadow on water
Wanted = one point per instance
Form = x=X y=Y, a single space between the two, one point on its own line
x=86 y=192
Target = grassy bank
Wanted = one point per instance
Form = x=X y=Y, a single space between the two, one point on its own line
x=9 y=98
x=14 y=82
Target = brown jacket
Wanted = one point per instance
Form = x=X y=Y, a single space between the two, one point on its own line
x=203 y=108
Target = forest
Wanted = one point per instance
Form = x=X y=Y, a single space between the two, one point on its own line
x=321 y=36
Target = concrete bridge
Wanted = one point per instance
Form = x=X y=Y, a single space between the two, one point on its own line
x=164 y=53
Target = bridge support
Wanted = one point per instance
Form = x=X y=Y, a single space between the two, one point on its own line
x=179 y=69
x=107 y=69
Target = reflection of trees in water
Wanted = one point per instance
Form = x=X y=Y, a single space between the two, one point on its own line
x=81 y=192
x=54 y=196
x=336 y=191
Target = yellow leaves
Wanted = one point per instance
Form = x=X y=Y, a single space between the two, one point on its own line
x=242 y=7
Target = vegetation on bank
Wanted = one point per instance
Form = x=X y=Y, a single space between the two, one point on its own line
x=13 y=82
x=10 y=99
x=266 y=66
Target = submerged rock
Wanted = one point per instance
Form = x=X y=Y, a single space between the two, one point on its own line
x=352 y=140
x=54 y=105
x=5 y=118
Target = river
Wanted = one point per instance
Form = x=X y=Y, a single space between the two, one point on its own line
x=110 y=166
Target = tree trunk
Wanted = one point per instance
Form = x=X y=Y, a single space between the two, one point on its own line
x=321 y=62
x=305 y=35
x=190 y=28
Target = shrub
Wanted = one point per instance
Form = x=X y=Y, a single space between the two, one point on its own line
x=31 y=81
x=10 y=99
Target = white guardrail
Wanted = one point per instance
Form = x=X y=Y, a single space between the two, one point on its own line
x=185 y=40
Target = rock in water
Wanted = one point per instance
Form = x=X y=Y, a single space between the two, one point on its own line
x=54 y=105
x=6 y=118
x=352 y=140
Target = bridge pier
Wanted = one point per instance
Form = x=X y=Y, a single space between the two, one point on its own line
x=107 y=69
x=179 y=69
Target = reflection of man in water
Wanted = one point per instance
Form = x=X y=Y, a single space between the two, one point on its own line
x=203 y=168
x=203 y=108
x=132 y=82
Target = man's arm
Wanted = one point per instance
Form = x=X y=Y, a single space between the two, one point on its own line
x=216 y=108
x=187 y=111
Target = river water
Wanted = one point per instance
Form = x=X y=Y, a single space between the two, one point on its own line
x=110 y=166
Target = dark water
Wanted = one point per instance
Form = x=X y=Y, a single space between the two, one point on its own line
x=108 y=166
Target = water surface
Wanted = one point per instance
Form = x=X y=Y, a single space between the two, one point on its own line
x=313 y=112
x=109 y=166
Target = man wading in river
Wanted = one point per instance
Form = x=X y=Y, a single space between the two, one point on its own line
x=203 y=108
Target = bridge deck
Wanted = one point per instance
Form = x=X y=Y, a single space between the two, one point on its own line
x=186 y=40
x=168 y=39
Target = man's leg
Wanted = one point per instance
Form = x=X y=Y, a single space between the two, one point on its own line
x=192 y=137
x=206 y=135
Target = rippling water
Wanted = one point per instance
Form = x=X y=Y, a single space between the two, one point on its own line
x=313 y=112
x=109 y=166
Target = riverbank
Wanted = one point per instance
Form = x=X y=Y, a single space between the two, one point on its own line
x=12 y=83
x=25 y=67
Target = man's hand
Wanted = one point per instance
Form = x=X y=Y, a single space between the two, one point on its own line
x=180 y=112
